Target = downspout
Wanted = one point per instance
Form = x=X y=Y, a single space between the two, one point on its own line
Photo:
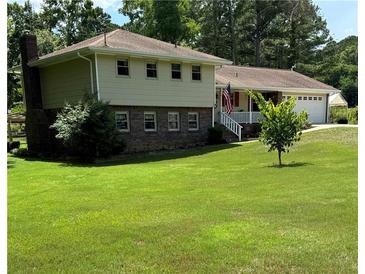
x=97 y=76
x=91 y=70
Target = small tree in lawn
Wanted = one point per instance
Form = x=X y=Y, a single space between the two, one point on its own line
x=281 y=125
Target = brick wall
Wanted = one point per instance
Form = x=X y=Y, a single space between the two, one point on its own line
x=139 y=140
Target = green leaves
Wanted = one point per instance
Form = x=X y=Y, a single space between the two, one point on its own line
x=281 y=125
x=88 y=130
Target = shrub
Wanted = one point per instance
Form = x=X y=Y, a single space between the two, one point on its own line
x=337 y=113
x=13 y=145
x=215 y=135
x=342 y=121
x=307 y=125
x=88 y=130
x=352 y=115
x=20 y=152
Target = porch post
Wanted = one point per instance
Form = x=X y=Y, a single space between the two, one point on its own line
x=220 y=100
x=250 y=110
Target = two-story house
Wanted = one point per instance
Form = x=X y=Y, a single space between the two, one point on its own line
x=163 y=94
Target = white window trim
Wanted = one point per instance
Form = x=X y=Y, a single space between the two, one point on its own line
x=145 y=67
x=181 y=76
x=155 y=120
x=129 y=67
x=123 y=112
x=201 y=74
x=178 y=121
x=197 y=121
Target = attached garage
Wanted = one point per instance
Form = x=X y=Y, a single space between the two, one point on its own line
x=314 y=105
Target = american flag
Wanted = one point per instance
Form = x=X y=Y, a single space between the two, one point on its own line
x=227 y=97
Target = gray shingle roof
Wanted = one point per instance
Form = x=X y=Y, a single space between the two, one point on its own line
x=261 y=78
x=125 y=40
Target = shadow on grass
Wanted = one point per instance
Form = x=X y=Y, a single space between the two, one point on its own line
x=138 y=158
x=10 y=164
x=291 y=164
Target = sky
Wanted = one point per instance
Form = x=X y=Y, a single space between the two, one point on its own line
x=341 y=15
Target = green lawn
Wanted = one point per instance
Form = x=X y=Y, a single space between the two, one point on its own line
x=216 y=209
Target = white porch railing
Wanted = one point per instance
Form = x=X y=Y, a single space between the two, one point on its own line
x=246 y=117
x=231 y=124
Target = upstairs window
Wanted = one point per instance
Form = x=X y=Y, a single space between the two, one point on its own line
x=193 y=121
x=151 y=70
x=176 y=71
x=195 y=72
x=122 y=120
x=150 y=121
x=173 y=121
x=123 y=67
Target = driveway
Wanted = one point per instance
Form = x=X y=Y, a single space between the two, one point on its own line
x=324 y=126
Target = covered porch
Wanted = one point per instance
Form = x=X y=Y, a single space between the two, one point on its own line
x=245 y=110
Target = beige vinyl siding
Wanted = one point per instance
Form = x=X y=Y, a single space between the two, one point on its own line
x=65 y=82
x=137 y=90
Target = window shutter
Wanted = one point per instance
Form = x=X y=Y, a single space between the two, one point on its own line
x=236 y=99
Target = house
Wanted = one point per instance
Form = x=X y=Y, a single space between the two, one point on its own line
x=163 y=95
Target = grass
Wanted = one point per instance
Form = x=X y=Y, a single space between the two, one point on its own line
x=216 y=209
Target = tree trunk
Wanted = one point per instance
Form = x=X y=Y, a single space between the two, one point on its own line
x=279 y=155
x=232 y=32
x=257 y=51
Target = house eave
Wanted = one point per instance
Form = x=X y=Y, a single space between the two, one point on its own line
x=113 y=51
x=282 y=89
x=164 y=57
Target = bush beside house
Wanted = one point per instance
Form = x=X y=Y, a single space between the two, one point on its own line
x=88 y=130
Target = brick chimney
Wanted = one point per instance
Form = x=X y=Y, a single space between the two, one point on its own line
x=37 y=122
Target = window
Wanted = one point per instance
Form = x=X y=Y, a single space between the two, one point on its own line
x=299 y=98
x=151 y=69
x=320 y=98
x=288 y=97
x=195 y=73
x=150 y=121
x=122 y=120
x=310 y=98
x=123 y=67
x=315 y=98
x=173 y=121
x=305 y=98
x=175 y=71
x=193 y=121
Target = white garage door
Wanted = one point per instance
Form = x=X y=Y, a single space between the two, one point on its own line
x=315 y=106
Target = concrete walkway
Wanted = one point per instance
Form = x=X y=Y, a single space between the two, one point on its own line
x=324 y=126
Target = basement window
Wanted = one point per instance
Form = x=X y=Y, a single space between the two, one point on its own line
x=150 y=123
x=122 y=120
x=123 y=67
x=193 y=121
x=173 y=121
